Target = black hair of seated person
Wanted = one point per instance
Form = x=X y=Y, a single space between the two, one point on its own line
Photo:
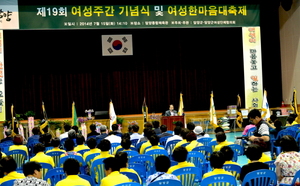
x=114 y=127
x=125 y=135
x=47 y=138
x=93 y=127
x=228 y=153
x=135 y=128
x=155 y=124
x=218 y=129
x=55 y=142
x=184 y=132
x=154 y=140
x=67 y=127
x=69 y=144
x=253 y=113
x=91 y=143
x=278 y=124
x=163 y=128
x=217 y=160
x=71 y=166
x=220 y=137
x=126 y=143
x=191 y=136
x=104 y=145
x=180 y=154
x=273 y=118
x=179 y=124
x=122 y=157
x=191 y=126
x=253 y=152
x=75 y=128
x=18 y=140
x=8 y=164
x=177 y=130
x=288 y=143
x=80 y=139
x=162 y=163
x=111 y=163
x=39 y=147
x=150 y=133
x=290 y=119
x=148 y=125
x=36 y=130
x=30 y=167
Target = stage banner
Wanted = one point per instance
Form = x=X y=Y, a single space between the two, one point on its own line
x=9 y=14
x=137 y=16
x=117 y=45
x=2 y=87
x=252 y=67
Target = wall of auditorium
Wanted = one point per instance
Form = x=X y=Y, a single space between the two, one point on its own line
x=290 y=50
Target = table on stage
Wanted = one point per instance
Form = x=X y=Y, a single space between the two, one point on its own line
x=170 y=121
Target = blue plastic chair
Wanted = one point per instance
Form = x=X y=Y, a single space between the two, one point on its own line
x=83 y=151
x=55 y=175
x=189 y=176
x=198 y=160
x=205 y=150
x=297 y=175
x=173 y=163
x=212 y=145
x=77 y=157
x=170 y=131
x=45 y=168
x=132 y=177
x=8 y=183
x=131 y=153
x=88 y=178
x=129 y=184
x=185 y=144
x=139 y=168
x=272 y=165
x=62 y=143
x=30 y=146
x=157 y=152
x=138 y=145
x=205 y=140
x=113 y=147
x=97 y=170
x=163 y=140
x=134 y=142
x=237 y=148
x=89 y=159
x=220 y=179
x=122 y=149
x=151 y=146
x=262 y=177
x=19 y=156
x=91 y=137
x=56 y=156
x=4 y=147
x=279 y=135
x=234 y=169
x=166 y=182
x=170 y=146
x=48 y=148
x=146 y=160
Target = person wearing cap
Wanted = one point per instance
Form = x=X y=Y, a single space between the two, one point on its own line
x=102 y=134
x=199 y=132
x=8 y=134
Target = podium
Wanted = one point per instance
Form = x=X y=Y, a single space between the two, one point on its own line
x=170 y=121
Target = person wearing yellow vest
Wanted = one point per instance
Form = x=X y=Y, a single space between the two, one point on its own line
x=9 y=167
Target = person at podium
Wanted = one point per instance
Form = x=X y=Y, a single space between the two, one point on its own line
x=171 y=111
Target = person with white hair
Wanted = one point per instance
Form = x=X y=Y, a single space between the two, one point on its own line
x=199 y=132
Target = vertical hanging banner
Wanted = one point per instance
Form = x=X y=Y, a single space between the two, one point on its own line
x=2 y=87
x=116 y=45
x=252 y=67
x=9 y=14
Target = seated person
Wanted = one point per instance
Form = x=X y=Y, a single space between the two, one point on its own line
x=154 y=140
x=45 y=139
x=162 y=164
x=80 y=143
x=112 y=172
x=76 y=130
x=36 y=134
x=135 y=134
x=122 y=158
x=217 y=161
x=253 y=152
x=260 y=142
x=183 y=134
x=93 y=131
x=67 y=127
x=278 y=128
x=113 y=138
x=291 y=120
x=55 y=142
x=92 y=144
x=71 y=168
x=148 y=133
x=72 y=134
x=8 y=134
x=180 y=155
x=147 y=126
x=115 y=130
x=190 y=126
x=176 y=136
x=192 y=139
x=9 y=167
x=228 y=155
x=32 y=171
x=156 y=127
x=40 y=156
x=200 y=133
x=218 y=129
x=124 y=136
x=164 y=132
x=104 y=146
x=103 y=134
x=69 y=146
x=221 y=140
x=18 y=144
